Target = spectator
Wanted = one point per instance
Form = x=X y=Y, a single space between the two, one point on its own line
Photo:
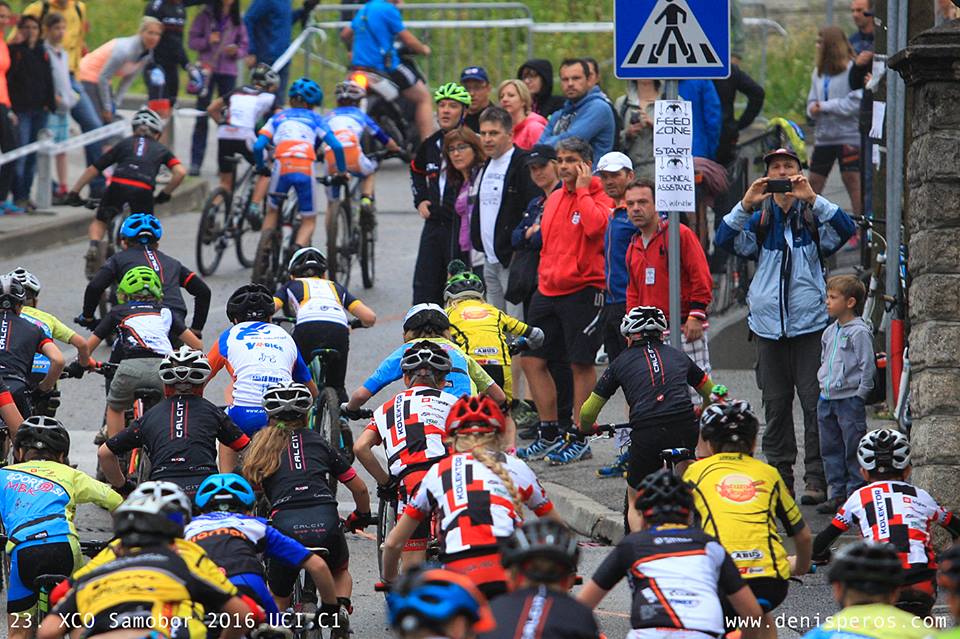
x=504 y=190
x=862 y=13
x=707 y=115
x=945 y=10
x=463 y=157
x=162 y=75
x=569 y=296
x=269 y=25
x=8 y=120
x=123 y=57
x=585 y=114
x=54 y=28
x=31 y=93
x=787 y=313
x=219 y=37
x=593 y=80
x=537 y=74
x=477 y=82
x=731 y=126
x=514 y=96
x=835 y=107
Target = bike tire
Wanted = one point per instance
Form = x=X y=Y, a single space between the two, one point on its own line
x=211 y=234
x=386 y=521
x=267 y=256
x=340 y=245
x=368 y=242
x=328 y=424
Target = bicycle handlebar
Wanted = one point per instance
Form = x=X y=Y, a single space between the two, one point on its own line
x=608 y=430
x=74 y=371
x=360 y=413
x=282 y=319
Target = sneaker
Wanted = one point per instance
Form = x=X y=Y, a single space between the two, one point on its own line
x=831 y=506
x=9 y=208
x=813 y=495
x=59 y=198
x=540 y=448
x=529 y=433
x=92 y=262
x=571 y=452
x=194 y=171
x=616 y=469
x=602 y=359
x=368 y=213
x=255 y=215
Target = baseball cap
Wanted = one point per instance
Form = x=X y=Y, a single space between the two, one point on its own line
x=781 y=152
x=541 y=154
x=474 y=73
x=613 y=162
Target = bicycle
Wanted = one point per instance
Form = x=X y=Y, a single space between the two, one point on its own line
x=226 y=218
x=108 y=248
x=276 y=245
x=303 y=604
x=387 y=516
x=47 y=582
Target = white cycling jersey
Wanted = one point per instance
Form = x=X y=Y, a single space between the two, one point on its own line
x=245 y=108
x=314 y=299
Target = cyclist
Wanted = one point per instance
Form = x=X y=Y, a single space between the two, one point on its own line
x=295 y=133
x=412 y=426
x=479 y=493
x=681 y=578
x=37 y=509
x=949 y=579
x=136 y=160
x=739 y=500
x=865 y=577
x=437 y=603
x=235 y=540
x=143 y=328
x=542 y=559
x=295 y=468
x=891 y=510
x=20 y=341
x=140 y=236
x=179 y=434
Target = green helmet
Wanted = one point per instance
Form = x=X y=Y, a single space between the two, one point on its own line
x=138 y=280
x=452 y=91
x=463 y=285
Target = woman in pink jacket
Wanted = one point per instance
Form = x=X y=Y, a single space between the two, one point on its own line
x=527 y=126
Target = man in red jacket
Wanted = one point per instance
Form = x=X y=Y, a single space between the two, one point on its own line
x=569 y=297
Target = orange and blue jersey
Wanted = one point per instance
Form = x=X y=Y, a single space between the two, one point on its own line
x=295 y=133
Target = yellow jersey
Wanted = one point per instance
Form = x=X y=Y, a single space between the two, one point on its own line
x=481 y=331
x=739 y=500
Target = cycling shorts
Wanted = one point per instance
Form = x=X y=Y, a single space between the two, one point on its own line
x=404 y=77
x=226 y=149
x=314 y=527
x=288 y=175
x=503 y=376
x=824 y=155
x=254 y=586
x=189 y=483
x=132 y=375
x=250 y=419
x=646 y=443
x=357 y=162
x=140 y=200
x=53 y=556
x=769 y=591
x=409 y=484
x=485 y=571
x=20 y=393
x=310 y=336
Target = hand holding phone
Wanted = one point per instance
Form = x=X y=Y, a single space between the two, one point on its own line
x=779 y=186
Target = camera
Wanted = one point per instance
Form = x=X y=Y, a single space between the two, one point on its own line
x=779 y=186
x=634 y=117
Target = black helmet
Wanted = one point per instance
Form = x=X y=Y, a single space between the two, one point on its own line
x=426 y=354
x=154 y=513
x=12 y=293
x=662 y=493
x=731 y=422
x=544 y=539
x=43 y=433
x=423 y=315
x=307 y=262
x=949 y=577
x=250 y=302
x=868 y=566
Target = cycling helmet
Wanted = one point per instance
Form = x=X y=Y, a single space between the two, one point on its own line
x=463 y=285
x=29 y=281
x=475 y=414
x=542 y=539
x=452 y=91
x=661 y=493
x=430 y=598
x=43 y=433
x=349 y=91
x=12 y=293
x=868 y=566
x=155 y=512
x=185 y=366
x=250 y=302
x=225 y=492
x=143 y=227
x=731 y=422
x=949 y=576
x=884 y=451
x=287 y=400
x=137 y=280
x=149 y=118
x=264 y=76
x=307 y=262
x=424 y=315
x=426 y=354
x=643 y=319
x=307 y=90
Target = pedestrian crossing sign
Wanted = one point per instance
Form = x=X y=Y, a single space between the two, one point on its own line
x=672 y=39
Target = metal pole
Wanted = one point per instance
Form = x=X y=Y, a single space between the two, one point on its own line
x=45 y=169
x=829 y=11
x=673 y=249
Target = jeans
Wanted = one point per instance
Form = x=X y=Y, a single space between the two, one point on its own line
x=842 y=423
x=29 y=125
x=495 y=277
x=198 y=147
x=87 y=117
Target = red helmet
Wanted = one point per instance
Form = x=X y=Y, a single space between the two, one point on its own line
x=475 y=414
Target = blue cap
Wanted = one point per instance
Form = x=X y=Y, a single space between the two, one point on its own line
x=474 y=73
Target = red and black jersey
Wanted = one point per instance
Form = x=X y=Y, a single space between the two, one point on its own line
x=305 y=466
x=19 y=340
x=136 y=161
x=539 y=612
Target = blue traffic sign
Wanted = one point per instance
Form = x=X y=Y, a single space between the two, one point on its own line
x=672 y=39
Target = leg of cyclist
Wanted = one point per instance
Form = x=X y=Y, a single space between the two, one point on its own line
x=305 y=186
x=420 y=96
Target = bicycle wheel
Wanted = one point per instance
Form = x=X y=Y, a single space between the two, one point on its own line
x=212 y=238
x=327 y=423
x=368 y=241
x=265 y=262
x=340 y=246
x=386 y=521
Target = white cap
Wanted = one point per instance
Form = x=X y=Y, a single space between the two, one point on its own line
x=613 y=162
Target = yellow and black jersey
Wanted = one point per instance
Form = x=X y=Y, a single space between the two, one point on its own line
x=481 y=330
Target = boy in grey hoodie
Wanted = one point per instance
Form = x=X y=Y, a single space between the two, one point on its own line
x=847 y=367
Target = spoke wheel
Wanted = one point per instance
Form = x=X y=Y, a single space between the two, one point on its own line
x=342 y=246
x=212 y=238
x=386 y=521
x=327 y=423
x=265 y=263
x=368 y=245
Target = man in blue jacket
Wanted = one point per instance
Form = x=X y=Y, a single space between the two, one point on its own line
x=707 y=115
x=270 y=30
x=586 y=114
x=789 y=235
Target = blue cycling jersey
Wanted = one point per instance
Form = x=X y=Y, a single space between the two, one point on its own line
x=375 y=27
x=465 y=378
x=354 y=119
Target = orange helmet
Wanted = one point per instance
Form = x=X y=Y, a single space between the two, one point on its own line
x=475 y=414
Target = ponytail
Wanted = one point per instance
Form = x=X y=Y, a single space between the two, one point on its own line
x=479 y=446
x=262 y=458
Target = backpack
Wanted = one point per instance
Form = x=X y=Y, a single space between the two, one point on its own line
x=617 y=125
x=806 y=214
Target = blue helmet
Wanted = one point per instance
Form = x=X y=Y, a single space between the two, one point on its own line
x=225 y=491
x=143 y=227
x=307 y=90
x=429 y=598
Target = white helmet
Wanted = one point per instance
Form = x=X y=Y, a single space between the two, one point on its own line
x=149 y=118
x=883 y=451
x=349 y=90
x=27 y=280
x=287 y=398
x=185 y=366
x=643 y=319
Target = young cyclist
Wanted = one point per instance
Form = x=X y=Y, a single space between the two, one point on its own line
x=891 y=510
x=37 y=509
x=412 y=427
x=739 y=500
x=681 y=578
x=437 y=603
x=541 y=557
x=179 y=434
x=143 y=328
x=295 y=133
x=479 y=493
x=294 y=466
x=235 y=540
x=136 y=161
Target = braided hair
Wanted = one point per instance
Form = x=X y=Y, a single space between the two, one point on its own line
x=479 y=445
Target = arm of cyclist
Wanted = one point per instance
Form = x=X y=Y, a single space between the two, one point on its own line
x=190 y=339
x=215 y=110
x=53 y=353
x=195 y=286
x=590 y=411
x=484 y=383
x=748 y=609
x=363 y=312
x=101 y=281
x=823 y=540
x=258 y=151
x=108 y=454
x=363 y=449
x=85 y=178
x=360 y=518
x=413 y=43
x=301 y=374
x=803 y=541
x=331 y=140
x=177 y=174
x=9 y=412
x=394 y=543
x=91 y=491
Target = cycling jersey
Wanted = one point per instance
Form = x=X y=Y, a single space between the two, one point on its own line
x=20 y=340
x=143 y=329
x=52 y=328
x=871 y=621
x=465 y=378
x=537 y=611
x=136 y=161
x=481 y=330
x=677 y=575
x=739 y=499
x=349 y=124
x=305 y=466
x=314 y=299
x=245 y=107
x=295 y=133
x=180 y=436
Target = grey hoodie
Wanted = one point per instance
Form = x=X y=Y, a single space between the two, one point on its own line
x=847 y=362
x=838 y=121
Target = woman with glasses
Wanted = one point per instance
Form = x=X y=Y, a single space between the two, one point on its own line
x=463 y=158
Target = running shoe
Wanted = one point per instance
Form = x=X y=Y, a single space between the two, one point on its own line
x=540 y=448
x=616 y=469
x=570 y=452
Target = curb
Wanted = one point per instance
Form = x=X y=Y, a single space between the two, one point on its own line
x=70 y=228
x=586 y=516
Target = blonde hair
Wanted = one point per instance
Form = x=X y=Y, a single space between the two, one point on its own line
x=522 y=90
x=479 y=445
x=147 y=21
x=262 y=457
